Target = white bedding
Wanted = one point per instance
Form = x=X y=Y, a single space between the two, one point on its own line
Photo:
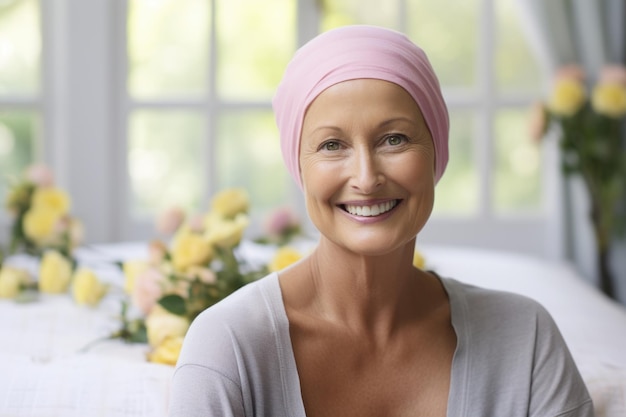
x=42 y=373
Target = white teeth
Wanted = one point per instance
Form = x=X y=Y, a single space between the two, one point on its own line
x=371 y=211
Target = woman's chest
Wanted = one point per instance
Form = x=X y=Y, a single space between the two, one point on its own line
x=352 y=379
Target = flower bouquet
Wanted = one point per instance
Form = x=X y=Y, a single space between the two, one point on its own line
x=43 y=227
x=590 y=127
x=197 y=268
x=41 y=213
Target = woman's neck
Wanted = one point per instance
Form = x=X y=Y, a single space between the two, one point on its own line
x=369 y=295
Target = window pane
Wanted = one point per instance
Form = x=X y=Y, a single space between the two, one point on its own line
x=249 y=157
x=165 y=160
x=458 y=190
x=20 y=47
x=18 y=131
x=168 y=47
x=516 y=67
x=447 y=30
x=256 y=39
x=517 y=165
x=365 y=12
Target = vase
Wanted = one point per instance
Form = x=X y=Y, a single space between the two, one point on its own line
x=603 y=238
x=595 y=251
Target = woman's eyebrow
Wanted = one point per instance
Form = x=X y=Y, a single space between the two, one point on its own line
x=409 y=120
x=326 y=127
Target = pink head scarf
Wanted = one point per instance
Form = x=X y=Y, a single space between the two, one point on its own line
x=354 y=52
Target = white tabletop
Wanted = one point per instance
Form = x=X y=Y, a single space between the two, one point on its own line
x=45 y=372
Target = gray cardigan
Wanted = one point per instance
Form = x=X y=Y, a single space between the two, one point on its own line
x=510 y=359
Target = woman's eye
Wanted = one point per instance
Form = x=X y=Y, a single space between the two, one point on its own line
x=330 y=146
x=395 y=139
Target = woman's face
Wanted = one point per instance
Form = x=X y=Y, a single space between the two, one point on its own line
x=367 y=166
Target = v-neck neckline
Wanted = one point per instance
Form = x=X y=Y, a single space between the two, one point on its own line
x=290 y=379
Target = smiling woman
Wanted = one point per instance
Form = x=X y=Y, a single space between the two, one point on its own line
x=354 y=328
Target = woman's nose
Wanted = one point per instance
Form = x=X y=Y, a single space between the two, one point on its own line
x=367 y=174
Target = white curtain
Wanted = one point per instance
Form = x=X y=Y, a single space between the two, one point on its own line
x=587 y=32
x=590 y=33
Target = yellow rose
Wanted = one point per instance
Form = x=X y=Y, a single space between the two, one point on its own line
x=227 y=233
x=39 y=224
x=190 y=249
x=609 y=100
x=11 y=281
x=55 y=273
x=161 y=324
x=167 y=352
x=131 y=270
x=568 y=96
x=418 y=260
x=211 y=220
x=52 y=199
x=86 y=288
x=284 y=257
x=230 y=202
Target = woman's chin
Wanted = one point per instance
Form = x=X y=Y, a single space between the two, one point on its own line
x=371 y=244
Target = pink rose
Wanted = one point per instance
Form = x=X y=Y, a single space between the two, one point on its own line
x=280 y=221
x=62 y=225
x=613 y=74
x=570 y=72
x=147 y=289
x=170 y=220
x=40 y=175
x=156 y=252
x=196 y=224
x=205 y=275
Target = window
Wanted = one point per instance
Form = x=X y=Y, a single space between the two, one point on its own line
x=156 y=103
x=20 y=87
x=200 y=77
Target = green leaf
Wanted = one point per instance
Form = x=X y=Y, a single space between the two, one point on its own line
x=140 y=335
x=174 y=303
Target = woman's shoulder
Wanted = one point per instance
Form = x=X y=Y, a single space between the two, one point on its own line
x=510 y=340
x=489 y=301
x=248 y=302
x=226 y=330
x=499 y=314
x=234 y=350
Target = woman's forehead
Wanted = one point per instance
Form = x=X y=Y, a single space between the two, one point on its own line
x=375 y=98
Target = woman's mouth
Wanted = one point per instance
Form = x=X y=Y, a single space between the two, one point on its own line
x=370 y=210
